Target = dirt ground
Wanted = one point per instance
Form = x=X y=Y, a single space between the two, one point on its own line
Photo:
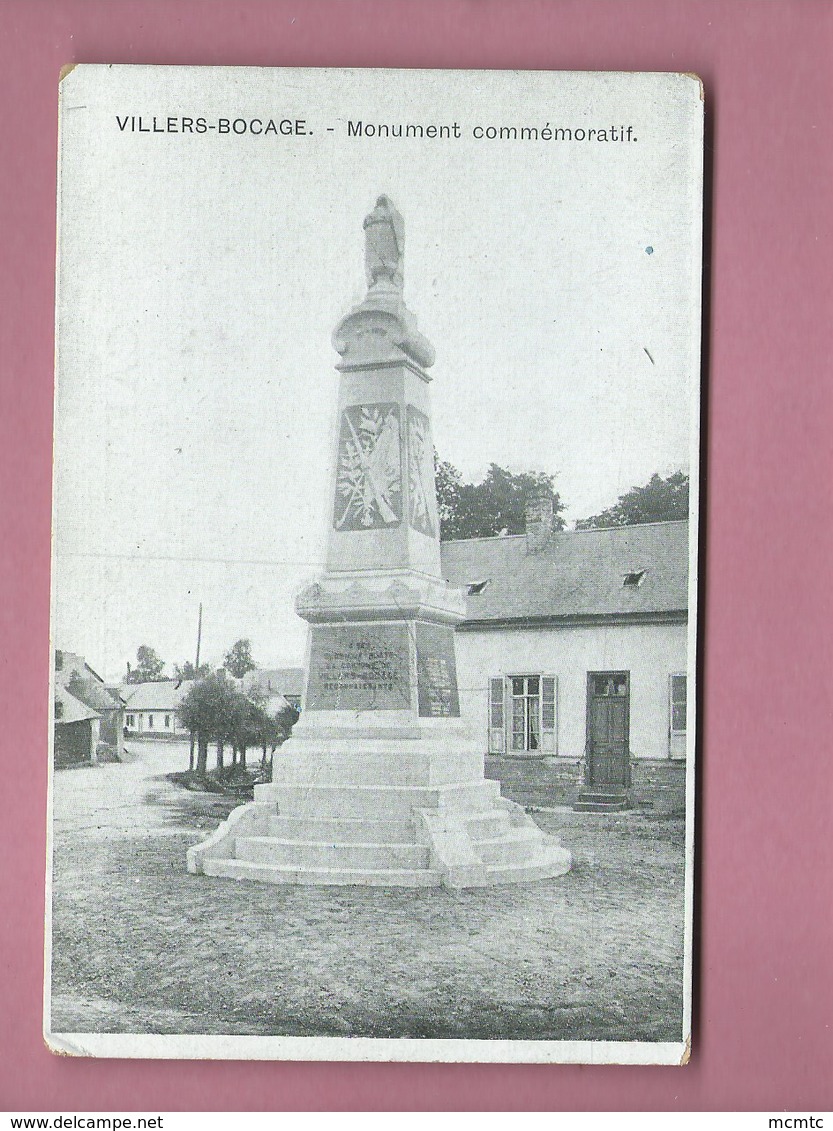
x=141 y=946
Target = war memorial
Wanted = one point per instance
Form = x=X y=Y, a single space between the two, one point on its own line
x=380 y=783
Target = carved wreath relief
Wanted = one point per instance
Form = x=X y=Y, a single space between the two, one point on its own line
x=423 y=496
x=369 y=475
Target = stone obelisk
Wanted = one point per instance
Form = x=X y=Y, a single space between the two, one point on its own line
x=380 y=782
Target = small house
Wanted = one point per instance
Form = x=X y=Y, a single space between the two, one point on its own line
x=76 y=729
x=282 y=687
x=81 y=684
x=151 y=709
x=573 y=659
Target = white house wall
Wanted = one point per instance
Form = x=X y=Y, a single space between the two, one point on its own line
x=651 y=653
x=141 y=722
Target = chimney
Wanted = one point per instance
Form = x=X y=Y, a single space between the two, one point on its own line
x=538 y=521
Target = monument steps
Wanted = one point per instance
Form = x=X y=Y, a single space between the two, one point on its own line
x=395 y=802
x=315 y=854
x=450 y=846
x=342 y=830
x=483 y=826
x=366 y=877
x=514 y=846
x=391 y=768
x=551 y=862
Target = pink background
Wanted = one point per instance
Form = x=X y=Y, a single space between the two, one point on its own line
x=763 y=1005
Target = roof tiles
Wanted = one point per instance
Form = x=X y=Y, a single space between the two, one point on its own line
x=576 y=575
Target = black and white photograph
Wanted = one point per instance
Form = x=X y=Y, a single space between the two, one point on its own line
x=374 y=584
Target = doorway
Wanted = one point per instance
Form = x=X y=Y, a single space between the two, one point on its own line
x=608 y=726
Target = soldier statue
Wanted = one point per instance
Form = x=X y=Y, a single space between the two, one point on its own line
x=384 y=244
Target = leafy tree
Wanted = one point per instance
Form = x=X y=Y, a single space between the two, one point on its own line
x=482 y=510
x=660 y=500
x=278 y=728
x=259 y=731
x=149 y=667
x=238 y=660
x=285 y=720
x=448 y=481
x=211 y=711
x=250 y=722
x=262 y=729
x=188 y=671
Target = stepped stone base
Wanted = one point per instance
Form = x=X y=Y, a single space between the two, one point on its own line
x=364 y=810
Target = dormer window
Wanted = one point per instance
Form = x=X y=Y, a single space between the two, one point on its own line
x=634 y=579
x=477 y=587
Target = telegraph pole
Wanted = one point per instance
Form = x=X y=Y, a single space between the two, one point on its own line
x=196 y=670
x=199 y=637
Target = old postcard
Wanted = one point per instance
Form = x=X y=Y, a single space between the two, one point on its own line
x=374 y=581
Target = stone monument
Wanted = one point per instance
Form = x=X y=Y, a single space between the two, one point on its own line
x=380 y=782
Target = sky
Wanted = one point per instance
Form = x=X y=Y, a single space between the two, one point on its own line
x=201 y=277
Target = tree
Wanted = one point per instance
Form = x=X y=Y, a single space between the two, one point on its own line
x=279 y=728
x=250 y=722
x=448 y=481
x=285 y=720
x=188 y=671
x=149 y=667
x=497 y=504
x=238 y=660
x=660 y=500
x=260 y=728
x=211 y=711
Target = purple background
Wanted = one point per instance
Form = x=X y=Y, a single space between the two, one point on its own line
x=763 y=1006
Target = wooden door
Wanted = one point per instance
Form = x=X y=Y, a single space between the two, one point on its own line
x=608 y=719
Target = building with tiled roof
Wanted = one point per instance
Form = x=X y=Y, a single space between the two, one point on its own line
x=76 y=682
x=282 y=686
x=69 y=710
x=573 y=657
x=151 y=708
x=576 y=576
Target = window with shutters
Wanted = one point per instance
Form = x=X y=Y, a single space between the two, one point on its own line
x=522 y=714
x=525 y=713
x=678 y=715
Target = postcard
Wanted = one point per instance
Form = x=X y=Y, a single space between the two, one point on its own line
x=375 y=547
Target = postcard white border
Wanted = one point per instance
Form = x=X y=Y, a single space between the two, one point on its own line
x=420 y=1050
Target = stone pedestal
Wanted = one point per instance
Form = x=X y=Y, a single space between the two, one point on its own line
x=380 y=783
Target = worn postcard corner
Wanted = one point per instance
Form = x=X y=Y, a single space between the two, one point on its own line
x=60 y=1046
x=374 y=595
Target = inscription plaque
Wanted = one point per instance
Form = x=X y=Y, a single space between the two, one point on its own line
x=436 y=671
x=359 y=668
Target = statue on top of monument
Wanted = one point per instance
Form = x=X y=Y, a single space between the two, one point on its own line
x=384 y=233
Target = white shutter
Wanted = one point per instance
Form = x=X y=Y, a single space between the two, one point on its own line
x=548 y=713
x=677 y=711
x=497 y=727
